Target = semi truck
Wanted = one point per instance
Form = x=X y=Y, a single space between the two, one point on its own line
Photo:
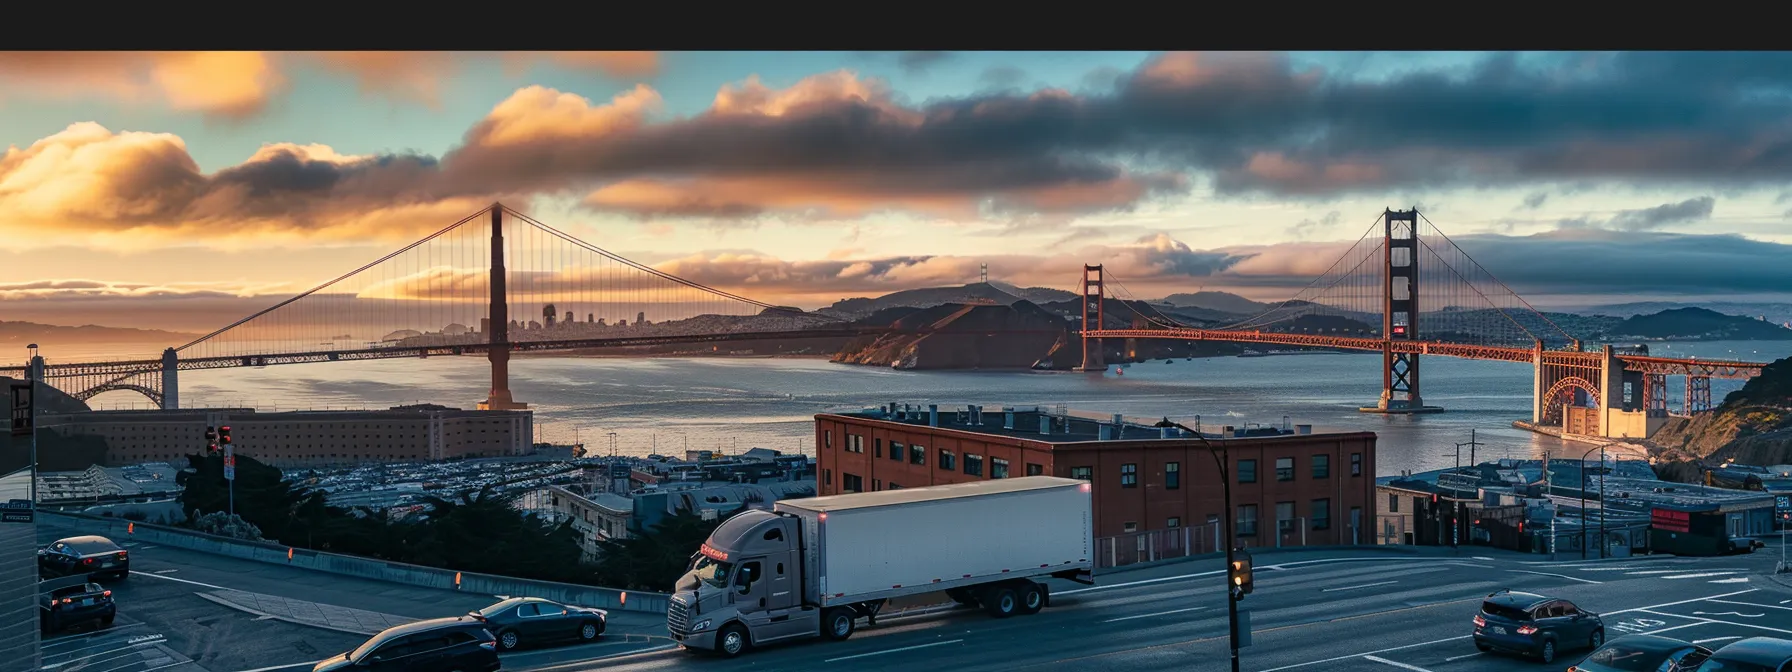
x=814 y=567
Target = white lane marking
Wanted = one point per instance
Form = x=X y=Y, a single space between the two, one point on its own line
x=134 y=644
x=1129 y=584
x=281 y=667
x=1402 y=666
x=165 y=571
x=160 y=667
x=905 y=648
x=1739 y=579
x=1716 y=639
x=1465 y=656
x=1751 y=604
x=1727 y=613
x=1452 y=639
x=146 y=547
x=1679 y=571
x=1700 y=575
x=1161 y=613
x=584 y=665
x=1561 y=576
x=62 y=640
x=170 y=578
x=1366 y=585
x=1483 y=558
x=1713 y=620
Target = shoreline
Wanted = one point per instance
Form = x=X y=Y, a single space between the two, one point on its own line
x=1637 y=447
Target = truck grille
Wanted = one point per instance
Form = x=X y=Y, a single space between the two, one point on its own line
x=678 y=618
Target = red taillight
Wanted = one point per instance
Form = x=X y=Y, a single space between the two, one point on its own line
x=1480 y=622
x=67 y=601
x=1527 y=629
x=87 y=561
x=107 y=593
x=121 y=555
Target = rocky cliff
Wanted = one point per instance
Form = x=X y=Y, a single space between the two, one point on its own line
x=1753 y=425
x=955 y=336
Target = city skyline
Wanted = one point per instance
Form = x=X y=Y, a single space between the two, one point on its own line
x=203 y=184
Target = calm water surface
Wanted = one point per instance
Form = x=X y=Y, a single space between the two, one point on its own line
x=734 y=404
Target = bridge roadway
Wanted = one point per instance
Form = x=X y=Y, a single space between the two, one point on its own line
x=1663 y=365
x=1311 y=612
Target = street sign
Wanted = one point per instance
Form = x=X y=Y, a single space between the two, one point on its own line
x=16 y=511
x=1783 y=503
x=229 y=463
x=22 y=404
x=1459 y=482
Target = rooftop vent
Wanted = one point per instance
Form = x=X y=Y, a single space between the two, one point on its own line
x=1106 y=433
x=1007 y=417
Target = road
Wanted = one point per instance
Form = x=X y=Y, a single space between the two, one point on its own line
x=1366 y=611
x=164 y=620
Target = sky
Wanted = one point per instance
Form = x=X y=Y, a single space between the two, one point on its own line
x=179 y=189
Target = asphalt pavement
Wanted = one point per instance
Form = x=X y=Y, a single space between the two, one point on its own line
x=169 y=615
x=1357 y=610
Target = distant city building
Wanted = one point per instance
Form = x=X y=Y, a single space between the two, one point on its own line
x=1289 y=487
x=597 y=517
x=305 y=438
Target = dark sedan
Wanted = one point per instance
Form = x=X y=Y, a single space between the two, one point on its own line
x=1755 y=654
x=1644 y=653
x=89 y=555
x=532 y=620
x=71 y=601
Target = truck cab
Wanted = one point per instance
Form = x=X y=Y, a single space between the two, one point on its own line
x=744 y=587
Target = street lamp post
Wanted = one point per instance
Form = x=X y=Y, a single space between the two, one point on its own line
x=1583 y=500
x=1221 y=457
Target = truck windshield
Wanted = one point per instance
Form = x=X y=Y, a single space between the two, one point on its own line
x=711 y=571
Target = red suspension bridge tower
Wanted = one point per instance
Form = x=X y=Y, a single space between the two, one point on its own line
x=498 y=333
x=1399 y=315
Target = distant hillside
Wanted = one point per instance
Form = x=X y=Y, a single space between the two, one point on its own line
x=927 y=297
x=1224 y=302
x=1034 y=294
x=1774 y=312
x=1753 y=425
x=1699 y=323
x=20 y=334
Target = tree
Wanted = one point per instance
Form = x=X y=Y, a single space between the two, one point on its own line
x=654 y=559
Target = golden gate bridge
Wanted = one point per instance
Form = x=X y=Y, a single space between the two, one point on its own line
x=1404 y=289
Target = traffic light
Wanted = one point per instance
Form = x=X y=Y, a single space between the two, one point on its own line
x=211 y=440
x=224 y=435
x=1240 y=574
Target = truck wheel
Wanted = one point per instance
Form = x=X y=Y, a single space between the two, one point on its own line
x=732 y=640
x=837 y=624
x=1001 y=602
x=1032 y=599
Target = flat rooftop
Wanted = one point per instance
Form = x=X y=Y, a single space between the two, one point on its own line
x=1059 y=426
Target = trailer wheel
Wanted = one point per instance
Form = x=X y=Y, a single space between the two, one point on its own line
x=838 y=623
x=1032 y=599
x=1001 y=602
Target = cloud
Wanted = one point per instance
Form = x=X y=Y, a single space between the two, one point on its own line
x=1535 y=200
x=1647 y=219
x=1001 y=77
x=918 y=62
x=839 y=146
x=1307 y=228
x=239 y=84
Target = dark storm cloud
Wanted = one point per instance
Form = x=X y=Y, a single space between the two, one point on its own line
x=1594 y=261
x=917 y=62
x=1535 y=200
x=1001 y=77
x=1689 y=210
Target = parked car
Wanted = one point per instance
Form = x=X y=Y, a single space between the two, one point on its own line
x=1534 y=625
x=1740 y=545
x=1755 y=654
x=1644 y=653
x=87 y=556
x=436 y=645
x=73 y=600
x=530 y=620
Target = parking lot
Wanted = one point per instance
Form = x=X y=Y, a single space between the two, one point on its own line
x=128 y=645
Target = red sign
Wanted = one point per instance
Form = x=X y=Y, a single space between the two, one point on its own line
x=1671 y=521
x=712 y=553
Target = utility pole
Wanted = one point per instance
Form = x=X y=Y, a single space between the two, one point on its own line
x=1238 y=577
x=1549 y=493
x=1472 y=445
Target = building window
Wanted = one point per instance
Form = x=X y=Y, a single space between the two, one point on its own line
x=895 y=451
x=1322 y=466
x=827 y=438
x=1285 y=517
x=877 y=446
x=998 y=468
x=1174 y=522
x=1247 y=472
x=973 y=465
x=1129 y=475
x=1129 y=527
x=917 y=455
x=1035 y=469
x=851 y=483
x=946 y=461
x=1247 y=520
x=1085 y=473
x=876 y=485
x=1172 y=475
x=858 y=443
x=1284 y=468
x=1322 y=514
x=1356 y=464
x=827 y=477
x=1393 y=503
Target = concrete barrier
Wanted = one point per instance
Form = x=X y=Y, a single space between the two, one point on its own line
x=367 y=568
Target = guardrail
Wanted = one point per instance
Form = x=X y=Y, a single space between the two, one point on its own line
x=367 y=568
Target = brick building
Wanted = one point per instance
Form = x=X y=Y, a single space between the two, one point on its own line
x=1290 y=487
